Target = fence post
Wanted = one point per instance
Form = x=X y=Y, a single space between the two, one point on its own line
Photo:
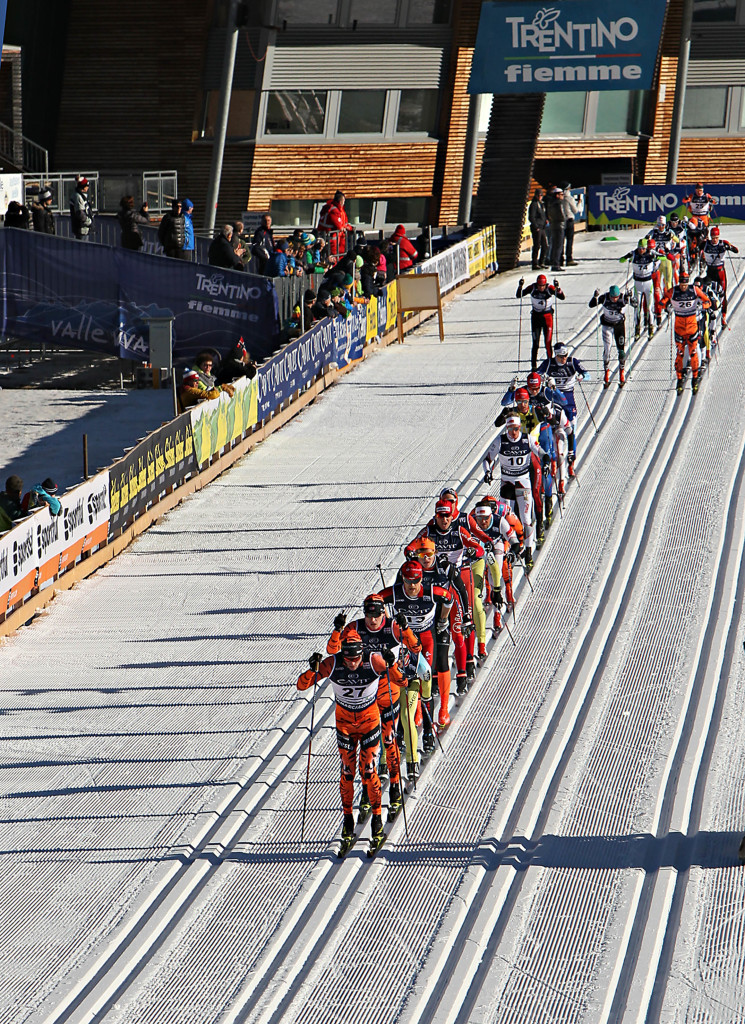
x=85 y=456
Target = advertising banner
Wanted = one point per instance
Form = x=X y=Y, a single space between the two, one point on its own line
x=623 y=205
x=11 y=189
x=92 y=296
x=573 y=46
x=18 y=564
x=162 y=461
x=450 y=266
x=220 y=420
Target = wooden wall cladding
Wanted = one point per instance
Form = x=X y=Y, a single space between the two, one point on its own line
x=655 y=169
x=711 y=160
x=577 y=149
x=376 y=170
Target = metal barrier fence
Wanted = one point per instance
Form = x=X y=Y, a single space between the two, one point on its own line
x=159 y=188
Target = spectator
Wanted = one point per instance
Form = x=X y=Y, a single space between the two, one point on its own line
x=333 y=219
x=319 y=254
x=17 y=216
x=10 y=503
x=237 y=363
x=369 y=272
x=144 y=211
x=309 y=302
x=189 y=244
x=129 y=222
x=172 y=232
x=42 y=494
x=280 y=264
x=538 y=221
x=380 y=265
x=239 y=243
x=323 y=306
x=570 y=209
x=41 y=213
x=407 y=254
x=193 y=391
x=262 y=245
x=81 y=213
x=557 y=222
x=221 y=252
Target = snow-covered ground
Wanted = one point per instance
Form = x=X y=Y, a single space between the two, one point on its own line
x=572 y=856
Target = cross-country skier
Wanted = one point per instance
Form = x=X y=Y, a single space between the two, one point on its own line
x=700 y=204
x=713 y=290
x=512 y=449
x=355 y=684
x=714 y=253
x=684 y=298
x=378 y=632
x=564 y=371
x=542 y=301
x=494 y=520
x=613 y=328
x=644 y=262
x=696 y=232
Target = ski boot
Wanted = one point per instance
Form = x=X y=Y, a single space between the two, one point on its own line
x=470 y=670
x=364 y=808
x=621 y=376
x=548 y=513
x=377 y=837
x=540 y=535
x=679 y=386
x=606 y=378
x=428 y=743
x=348 y=836
x=650 y=330
x=637 y=332
x=528 y=561
x=383 y=773
x=570 y=463
x=741 y=851
x=412 y=770
x=695 y=382
x=461 y=684
x=395 y=801
x=498 y=625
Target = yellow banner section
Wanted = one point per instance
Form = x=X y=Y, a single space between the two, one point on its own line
x=371 y=329
x=392 y=310
x=482 y=250
x=221 y=420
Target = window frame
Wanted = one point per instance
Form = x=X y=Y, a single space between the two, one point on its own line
x=592 y=98
x=733 y=116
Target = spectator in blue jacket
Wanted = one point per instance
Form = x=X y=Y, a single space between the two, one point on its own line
x=186 y=207
x=42 y=494
x=280 y=264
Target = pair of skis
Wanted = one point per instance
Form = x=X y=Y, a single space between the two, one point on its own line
x=348 y=841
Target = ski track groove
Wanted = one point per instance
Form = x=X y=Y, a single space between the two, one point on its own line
x=253 y=883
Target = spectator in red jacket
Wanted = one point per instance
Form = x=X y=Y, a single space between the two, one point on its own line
x=333 y=219
x=407 y=252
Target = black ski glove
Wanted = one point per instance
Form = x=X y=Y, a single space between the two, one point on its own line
x=441 y=627
x=497 y=597
x=488 y=476
x=388 y=656
x=401 y=620
x=315 y=661
x=340 y=621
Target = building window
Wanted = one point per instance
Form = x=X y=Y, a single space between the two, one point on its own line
x=411 y=210
x=308 y=12
x=295 y=212
x=717 y=11
x=373 y=12
x=359 y=211
x=615 y=112
x=705 y=107
x=241 y=116
x=295 y=113
x=428 y=12
x=417 y=111
x=361 y=111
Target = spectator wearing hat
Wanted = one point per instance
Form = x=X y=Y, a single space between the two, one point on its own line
x=189 y=244
x=237 y=363
x=172 y=232
x=81 y=212
x=280 y=264
x=129 y=221
x=570 y=209
x=192 y=390
x=10 y=503
x=43 y=494
x=41 y=213
x=221 y=252
x=557 y=223
x=407 y=254
x=334 y=221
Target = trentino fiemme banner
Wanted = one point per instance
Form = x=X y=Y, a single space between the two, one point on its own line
x=569 y=46
x=624 y=205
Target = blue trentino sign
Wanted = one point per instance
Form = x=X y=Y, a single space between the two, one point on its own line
x=3 y=12
x=568 y=46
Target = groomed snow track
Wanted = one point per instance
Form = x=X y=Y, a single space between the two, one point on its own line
x=572 y=857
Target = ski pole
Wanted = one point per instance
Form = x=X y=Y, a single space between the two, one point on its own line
x=526 y=574
x=310 y=747
x=509 y=632
x=398 y=753
x=597 y=338
x=520 y=332
x=588 y=406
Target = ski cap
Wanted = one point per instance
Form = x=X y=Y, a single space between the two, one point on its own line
x=534 y=380
x=662 y=221
x=522 y=395
x=541 y=280
x=699 y=184
x=483 y=510
x=561 y=349
x=190 y=375
x=351 y=645
x=444 y=496
x=683 y=278
x=513 y=423
x=614 y=291
x=674 y=216
x=411 y=571
x=643 y=242
x=444 y=508
x=373 y=605
x=714 y=232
